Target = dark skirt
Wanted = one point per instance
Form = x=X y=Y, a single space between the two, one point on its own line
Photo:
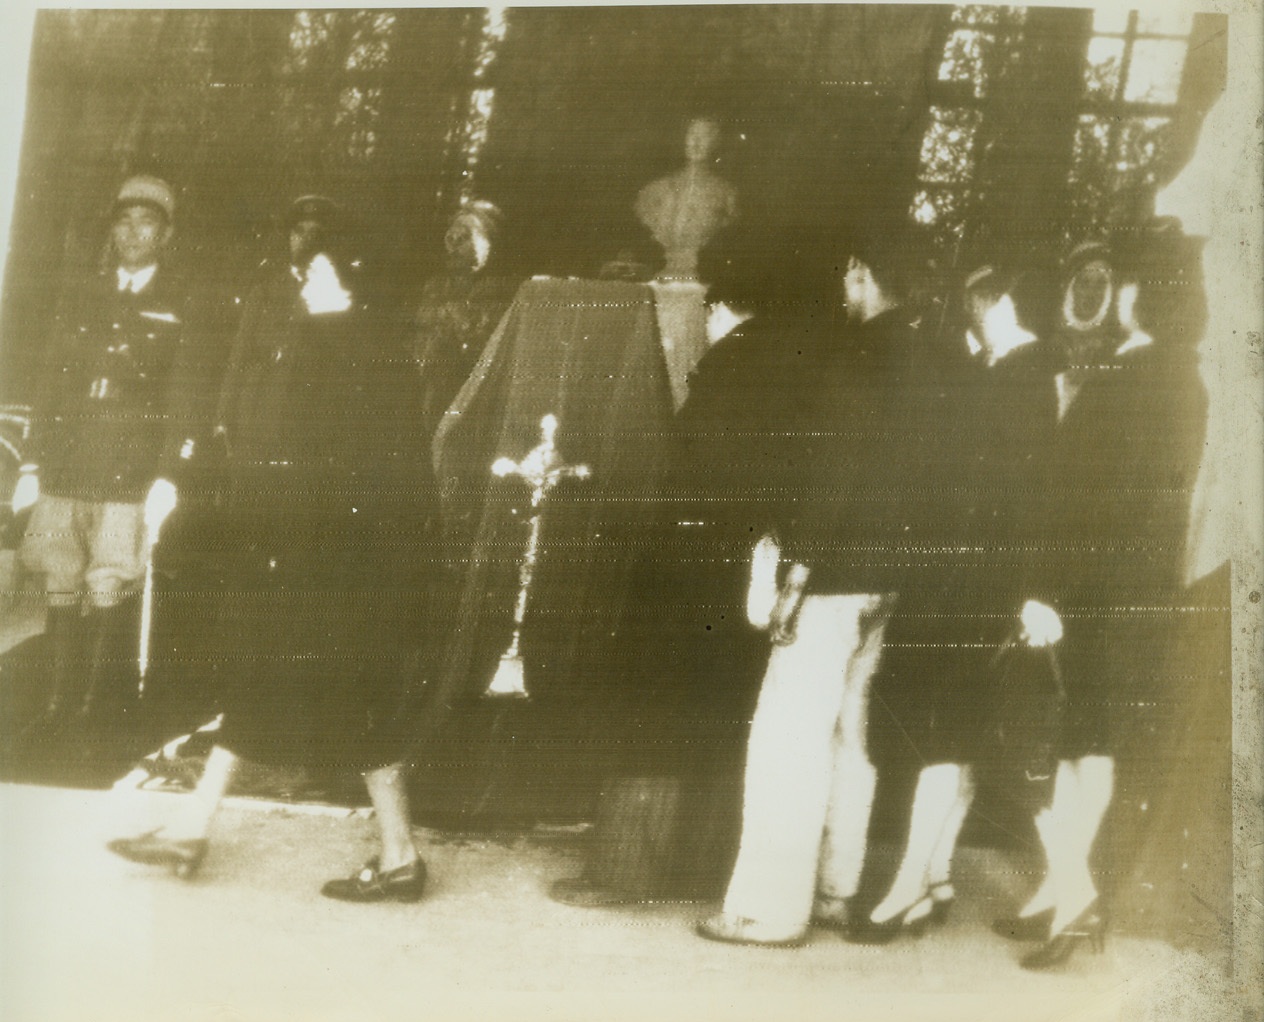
x=1114 y=665
x=933 y=697
x=320 y=640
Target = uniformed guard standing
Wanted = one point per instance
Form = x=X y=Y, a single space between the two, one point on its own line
x=112 y=420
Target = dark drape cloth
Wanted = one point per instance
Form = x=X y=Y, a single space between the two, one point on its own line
x=455 y=317
x=587 y=352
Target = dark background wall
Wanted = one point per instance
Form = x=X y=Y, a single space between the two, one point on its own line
x=823 y=107
x=828 y=112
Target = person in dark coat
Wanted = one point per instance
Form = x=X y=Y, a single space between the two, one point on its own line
x=1132 y=414
x=323 y=501
x=995 y=411
x=666 y=825
x=118 y=409
x=459 y=308
x=843 y=528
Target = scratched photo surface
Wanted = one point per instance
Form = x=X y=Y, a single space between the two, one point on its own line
x=742 y=511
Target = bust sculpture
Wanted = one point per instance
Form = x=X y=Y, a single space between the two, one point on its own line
x=684 y=210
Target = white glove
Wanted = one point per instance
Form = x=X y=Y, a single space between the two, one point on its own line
x=160 y=502
x=1041 y=624
x=761 y=593
x=26 y=492
x=784 y=628
x=323 y=291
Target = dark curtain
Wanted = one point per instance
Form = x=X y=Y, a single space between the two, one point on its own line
x=241 y=111
x=822 y=107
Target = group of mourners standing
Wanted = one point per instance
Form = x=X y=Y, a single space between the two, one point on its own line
x=899 y=506
x=980 y=529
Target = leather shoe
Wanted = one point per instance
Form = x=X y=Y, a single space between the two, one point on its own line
x=407 y=884
x=152 y=849
x=913 y=921
x=740 y=930
x=1089 y=927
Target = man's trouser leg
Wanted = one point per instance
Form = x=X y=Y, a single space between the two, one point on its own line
x=115 y=571
x=95 y=551
x=64 y=638
x=110 y=702
x=854 y=778
x=54 y=548
x=789 y=764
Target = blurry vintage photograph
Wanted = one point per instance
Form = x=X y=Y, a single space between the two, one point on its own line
x=692 y=511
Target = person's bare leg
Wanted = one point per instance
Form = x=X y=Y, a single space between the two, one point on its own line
x=1050 y=822
x=193 y=819
x=398 y=873
x=939 y=872
x=1074 y=888
x=933 y=805
x=388 y=791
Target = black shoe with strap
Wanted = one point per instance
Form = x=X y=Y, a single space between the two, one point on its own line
x=1089 y=927
x=406 y=883
x=912 y=921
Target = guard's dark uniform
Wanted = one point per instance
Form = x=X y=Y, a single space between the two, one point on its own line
x=118 y=403
x=118 y=408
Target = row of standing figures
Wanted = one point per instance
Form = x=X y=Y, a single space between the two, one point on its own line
x=808 y=786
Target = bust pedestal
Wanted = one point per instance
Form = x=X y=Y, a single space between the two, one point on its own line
x=680 y=307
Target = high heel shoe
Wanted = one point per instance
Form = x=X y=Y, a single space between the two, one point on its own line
x=1089 y=927
x=941 y=896
x=1032 y=927
x=912 y=921
x=183 y=856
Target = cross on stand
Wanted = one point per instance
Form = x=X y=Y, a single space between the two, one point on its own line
x=544 y=469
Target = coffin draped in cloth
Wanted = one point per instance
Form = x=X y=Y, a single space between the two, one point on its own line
x=588 y=353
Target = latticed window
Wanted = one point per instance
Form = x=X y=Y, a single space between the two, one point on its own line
x=1132 y=83
x=982 y=43
x=1125 y=105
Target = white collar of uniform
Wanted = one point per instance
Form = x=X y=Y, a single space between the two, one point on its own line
x=136 y=282
x=973 y=343
x=1137 y=339
x=1007 y=333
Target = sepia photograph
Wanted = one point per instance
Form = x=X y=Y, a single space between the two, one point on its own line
x=612 y=512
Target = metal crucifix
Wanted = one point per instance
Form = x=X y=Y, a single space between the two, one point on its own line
x=544 y=469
